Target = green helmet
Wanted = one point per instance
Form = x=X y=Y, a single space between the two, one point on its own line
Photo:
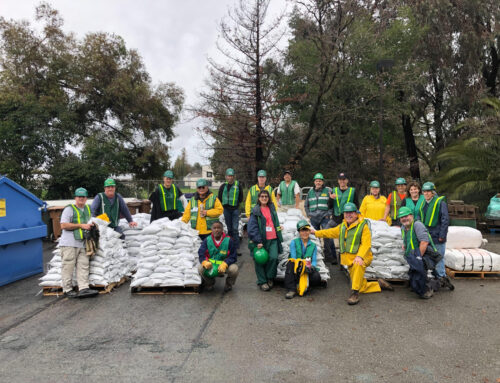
x=400 y=181
x=81 y=192
x=349 y=207
x=230 y=172
x=404 y=211
x=374 y=184
x=261 y=173
x=109 y=182
x=428 y=186
x=303 y=224
x=201 y=182
x=319 y=176
x=261 y=256
x=168 y=174
x=212 y=273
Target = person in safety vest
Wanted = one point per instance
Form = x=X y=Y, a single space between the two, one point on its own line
x=434 y=215
x=288 y=193
x=74 y=222
x=416 y=241
x=167 y=199
x=318 y=207
x=301 y=268
x=355 y=241
x=231 y=195
x=395 y=200
x=341 y=195
x=113 y=204
x=203 y=209
x=414 y=199
x=218 y=251
x=264 y=231
x=373 y=205
x=253 y=193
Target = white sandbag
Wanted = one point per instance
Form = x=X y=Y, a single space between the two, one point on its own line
x=463 y=237
x=472 y=260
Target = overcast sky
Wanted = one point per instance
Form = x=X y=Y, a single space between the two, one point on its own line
x=174 y=38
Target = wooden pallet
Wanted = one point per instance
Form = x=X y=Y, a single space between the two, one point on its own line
x=166 y=290
x=50 y=291
x=456 y=274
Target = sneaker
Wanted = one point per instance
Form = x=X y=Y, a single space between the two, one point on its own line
x=446 y=282
x=270 y=283
x=290 y=294
x=428 y=294
x=353 y=299
x=384 y=285
x=227 y=287
x=71 y=294
x=264 y=287
x=87 y=293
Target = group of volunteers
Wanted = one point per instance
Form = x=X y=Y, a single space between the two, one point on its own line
x=333 y=213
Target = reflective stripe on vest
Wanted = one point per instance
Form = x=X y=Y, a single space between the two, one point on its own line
x=208 y=204
x=408 y=242
x=396 y=203
x=217 y=255
x=230 y=197
x=433 y=209
x=311 y=246
x=287 y=193
x=165 y=200
x=254 y=194
x=340 y=202
x=78 y=234
x=318 y=203
x=352 y=239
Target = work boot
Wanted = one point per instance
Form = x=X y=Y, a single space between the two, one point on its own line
x=428 y=294
x=384 y=285
x=87 y=293
x=71 y=294
x=270 y=283
x=227 y=287
x=446 y=282
x=264 y=287
x=238 y=254
x=354 y=298
x=290 y=294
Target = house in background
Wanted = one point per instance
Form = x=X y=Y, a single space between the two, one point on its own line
x=189 y=181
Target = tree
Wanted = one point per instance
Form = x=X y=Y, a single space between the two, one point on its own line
x=181 y=165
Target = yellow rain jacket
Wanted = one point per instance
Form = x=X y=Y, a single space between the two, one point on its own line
x=374 y=208
x=201 y=223
x=248 y=202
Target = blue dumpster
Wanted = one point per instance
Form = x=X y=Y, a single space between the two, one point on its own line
x=21 y=232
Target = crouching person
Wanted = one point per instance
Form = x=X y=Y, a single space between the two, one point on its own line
x=355 y=242
x=74 y=221
x=217 y=255
x=301 y=270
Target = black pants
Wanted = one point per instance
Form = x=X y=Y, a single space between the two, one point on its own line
x=291 y=279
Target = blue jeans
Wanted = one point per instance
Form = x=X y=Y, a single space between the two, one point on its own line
x=441 y=247
x=232 y=218
x=329 y=244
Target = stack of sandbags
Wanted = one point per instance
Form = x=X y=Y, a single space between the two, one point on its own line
x=168 y=255
x=132 y=236
x=388 y=255
x=110 y=263
x=288 y=222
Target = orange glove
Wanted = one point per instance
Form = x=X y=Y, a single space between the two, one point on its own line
x=207 y=265
x=222 y=268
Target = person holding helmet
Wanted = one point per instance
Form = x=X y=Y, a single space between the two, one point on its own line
x=318 y=207
x=217 y=256
x=264 y=232
x=74 y=222
x=373 y=205
x=433 y=213
x=394 y=202
x=203 y=209
x=355 y=251
x=341 y=195
x=288 y=194
x=301 y=268
x=417 y=244
x=113 y=205
x=231 y=195
x=253 y=193
x=167 y=199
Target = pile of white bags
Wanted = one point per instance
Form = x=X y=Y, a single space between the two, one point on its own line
x=168 y=255
x=288 y=221
x=472 y=260
x=388 y=255
x=133 y=236
x=110 y=263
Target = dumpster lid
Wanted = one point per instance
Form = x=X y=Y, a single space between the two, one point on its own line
x=20 y=189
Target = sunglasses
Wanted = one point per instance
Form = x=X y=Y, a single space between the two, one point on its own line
x=263 y=196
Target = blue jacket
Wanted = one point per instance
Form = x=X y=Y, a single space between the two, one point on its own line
x=231 y=258
x=441 y=229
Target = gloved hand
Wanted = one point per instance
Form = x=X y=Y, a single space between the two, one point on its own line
x=206 y=265
x=222 y=268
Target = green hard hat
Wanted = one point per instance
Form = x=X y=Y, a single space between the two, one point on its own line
x=212 y=273
x=319 y=176
x=428 y=186
x=201 y=182
x=374 y=184
x=230 y=172
x=349 y=207
x=261 y=173
x=81 y=192
x=400 y=181
x=168 y=174
x=404 y=211
x=261 y=256
x=303 y=223
x=109 y=182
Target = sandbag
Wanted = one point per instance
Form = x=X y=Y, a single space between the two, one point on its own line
x=472 y=260
x=463 y=237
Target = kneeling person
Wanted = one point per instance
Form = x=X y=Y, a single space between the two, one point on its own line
x=301 y=270
x=217 y=255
